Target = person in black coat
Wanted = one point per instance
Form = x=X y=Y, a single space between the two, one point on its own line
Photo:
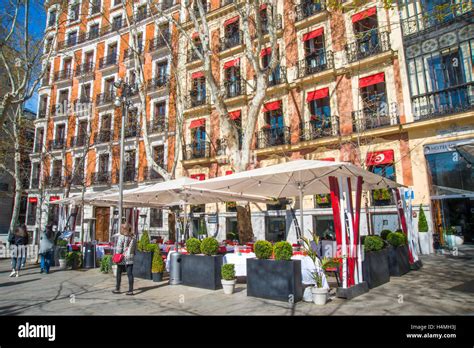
x=19 y=243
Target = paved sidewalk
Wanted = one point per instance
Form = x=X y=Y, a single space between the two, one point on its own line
x=445 y=285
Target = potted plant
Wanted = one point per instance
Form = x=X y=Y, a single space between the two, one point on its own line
x=142 y=260
x=319 y=292
x=398 y=261
x=228 y=278
x=375 y=266
x=384 y=234
x=106 y=264
x=278 y=279
x=74 y=259
x=201 y=267
x=61 y=250
x=423 y=235
x=157 y=266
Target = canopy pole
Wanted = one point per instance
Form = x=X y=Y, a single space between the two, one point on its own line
x=336 y=213
x=301 y=213
x=343 y=233
x=358 y=202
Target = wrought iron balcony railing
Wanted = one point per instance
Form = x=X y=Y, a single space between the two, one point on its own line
x=65 y=74
x=107 y=61
x=132 y=130
x=320 y=128
x=160 y=41
x=206 y=6
x=150 y=174
x=268 y=137
x=104 y=136
x=197 y=150
x=104 y=98
x=42 y=113
x=196 y=99
x=79 y=141
x=84 y=69
x=129 y=174
x=231 y=39
x=158 y=82
x=192 y=55
x=130 y=52
x=54 y=181
x=308 y=8
x=77 y=179
x=380 y=114
x=278 y=76
x=445 y=102
x=101 y=178
x=141 y=14
x=57 y=144
x=315 y=62
x=235 y=88
x=265 y=25
x=369 y=43
x=157 y=125
x=34 y=183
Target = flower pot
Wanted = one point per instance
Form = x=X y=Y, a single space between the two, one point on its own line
x=228 y=286
x=375 y=268
x=62 y=264
x=320 y=295
x=114 y=270
x=424 y=238
x=202 y=271
x=142 y=265
x=458 y=240
x=157 y=277
x=398 y=261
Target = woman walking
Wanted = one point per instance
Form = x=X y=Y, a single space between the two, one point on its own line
x=46 y=248
x=126 y=247
x=19 y=240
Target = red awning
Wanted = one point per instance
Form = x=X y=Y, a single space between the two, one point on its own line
x=379 y=157
x=234 y=115
x=231 y=20
x=228 y=172
x=371 y=80
x=197 y=123
x=54 y=198
x=195 y=35
x=329 y=159
x=32 y=199
x=231 y=63
x=197 y=75
x=318 y=94
x=272 y=106
x=199 y=177
x=265 y=51
x=364 y=14
x=313 y=34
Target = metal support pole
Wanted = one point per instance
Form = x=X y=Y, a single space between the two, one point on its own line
x=122 y=140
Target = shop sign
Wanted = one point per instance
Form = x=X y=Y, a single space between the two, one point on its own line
x=442 y=147
x=212 y=219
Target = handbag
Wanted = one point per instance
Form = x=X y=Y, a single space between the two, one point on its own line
x=118 y=257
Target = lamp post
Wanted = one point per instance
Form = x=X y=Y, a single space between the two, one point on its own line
x=126 y=105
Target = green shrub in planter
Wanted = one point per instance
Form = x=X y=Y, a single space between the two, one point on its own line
x=228 y=271
x=157 y=264
x=373 y=243
x=283 y=251
x=209 y=246
x=193 y=246
x=74 y=259
x=422 y=223
x=384 y=234
x=397 y=239
x=143 y=242
x=61 y=243
x=263 y=249
x=106 y=264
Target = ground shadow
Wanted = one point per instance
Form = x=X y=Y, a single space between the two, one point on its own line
x=18 y=282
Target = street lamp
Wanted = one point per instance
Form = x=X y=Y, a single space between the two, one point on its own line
x=126 y=105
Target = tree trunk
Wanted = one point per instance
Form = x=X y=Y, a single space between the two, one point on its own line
x=18 y=183
x=244 y=224
x=171 y=226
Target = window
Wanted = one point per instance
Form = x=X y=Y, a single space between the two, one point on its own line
x=78 y=173
x=160 y=111
x=266 y=56
x=314 y=50
x=103 y=163
x=74 y=12
x=382 y=163
x=95 y=6
x=365 y=27
x=129 y=170
x=39 y=140
x=117 y=22
x=161 y=71
x=57 y=168
x=198 y=93
x=275 y=228
x=81 y=133
x=117 y=2
x=231 y=32
x=60 y=133
x=156 y=218
x=52 y=18
x=109 y=86
x=112 y=54
x=94 y=31
x=374 y=98
x=198 y=139
x=159 y=155
x=86 y=92
x=31 y=214
x=232 y=80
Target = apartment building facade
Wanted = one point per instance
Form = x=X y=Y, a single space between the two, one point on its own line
x=78 y=128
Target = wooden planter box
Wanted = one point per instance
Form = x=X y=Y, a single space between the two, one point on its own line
x=375 y=268
x=142 y=264
x=275 y=279
x=398 y=261
x=201 y=271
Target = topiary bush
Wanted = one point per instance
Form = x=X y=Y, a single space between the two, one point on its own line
x=263 y=249
x=396 y=239
x=373 y=243
x=209 y=246
x=157 y=264
x=143 y=242
x=422 y=223
x=106 y=264
x=384 y=234
x=74 y=259
x=228 y=271
x=283 y=251
x=193 y=246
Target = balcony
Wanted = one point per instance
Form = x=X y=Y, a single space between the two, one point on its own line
x=42 y=114
x=319 y=128
x=192 y=55
x=77 y=179
x=150 y=174
x=61 y=75
x=307 y=9
x=196 y=99
x=158 y=82
x=316 y=62
x=105 y=99
x=278 y=76
x=79 y=141
x=380 y=114
x=449 y=101
x=268 y=137
x=101 y=178
x=230 y=40
x=441 y=15
x=85 y=69
x=107 y=61
x=45 y=80
x=57 y=144
x=54 y=181
x=160 y=41
x=166 y=4
x=265 y=25
x=129 y=52
x=129 y=174
x=197 y=150
x=370 y=43
x=38 y=147
x=235 y=88
x=157 y=126
x=104 y=136
x=205 y=6
x=34 y=183
x=132 y=130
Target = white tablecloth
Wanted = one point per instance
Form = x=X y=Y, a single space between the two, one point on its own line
x=308 y=267
x=240 y=262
